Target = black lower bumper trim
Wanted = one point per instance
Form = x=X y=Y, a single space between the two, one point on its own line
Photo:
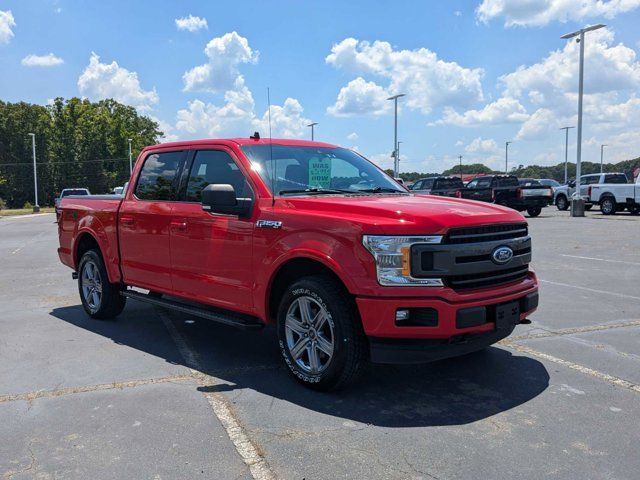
x=413 y=351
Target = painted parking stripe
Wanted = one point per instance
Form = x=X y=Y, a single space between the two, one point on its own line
x=592 y=290
x=599 y=259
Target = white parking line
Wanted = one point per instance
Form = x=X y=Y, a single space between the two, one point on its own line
x=599 y=259
x=618 y=382
x=593 y=290
x=250 y=454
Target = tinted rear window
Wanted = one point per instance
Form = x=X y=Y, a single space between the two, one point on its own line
x=449 y=183
x=80 y=191
x=507 y=182
x=615 y=178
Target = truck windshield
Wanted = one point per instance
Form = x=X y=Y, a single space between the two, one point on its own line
x=76 y=191
x=297 y=170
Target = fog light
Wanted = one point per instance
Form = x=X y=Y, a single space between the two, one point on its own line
x=402 y=315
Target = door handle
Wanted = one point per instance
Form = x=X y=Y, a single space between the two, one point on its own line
x=179 y=226
x=126 y=221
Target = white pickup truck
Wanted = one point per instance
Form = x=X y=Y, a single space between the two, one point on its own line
x=562 y=195
x=613 y=197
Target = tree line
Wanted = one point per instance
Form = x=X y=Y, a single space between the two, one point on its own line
x=78 y=144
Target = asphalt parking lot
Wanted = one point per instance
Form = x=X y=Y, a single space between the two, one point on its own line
x=160 y=395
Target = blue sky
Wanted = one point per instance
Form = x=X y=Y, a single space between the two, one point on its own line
x=476 y=73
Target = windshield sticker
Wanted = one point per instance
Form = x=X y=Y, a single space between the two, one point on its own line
x=320 y=172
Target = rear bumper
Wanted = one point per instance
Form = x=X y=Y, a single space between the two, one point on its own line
x=449 y=326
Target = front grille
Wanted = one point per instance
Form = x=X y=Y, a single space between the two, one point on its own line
x=487 y=279
x=487 y=256
x=486 y=233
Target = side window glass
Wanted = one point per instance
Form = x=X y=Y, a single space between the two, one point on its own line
x=215 y=166
x=427 y=184
x=156 y=180
x=472 y=184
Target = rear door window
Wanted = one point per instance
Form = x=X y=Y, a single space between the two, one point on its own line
x=157 y=180
x=615 y=178
x=427 y=184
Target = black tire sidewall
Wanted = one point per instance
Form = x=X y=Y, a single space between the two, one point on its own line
x=534 y=211
x=609 y=211
x=338 y=318
x=111 y=303
x=563 y=199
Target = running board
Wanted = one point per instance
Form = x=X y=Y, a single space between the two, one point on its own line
x=244 y=322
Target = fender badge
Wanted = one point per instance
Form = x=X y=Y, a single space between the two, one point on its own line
x=268 y=224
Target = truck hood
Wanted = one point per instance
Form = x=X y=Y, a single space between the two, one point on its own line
x=405 y=215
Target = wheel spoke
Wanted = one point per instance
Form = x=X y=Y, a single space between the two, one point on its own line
x=305 y=310
x=319 y=320
x=299 y=348
x=324 y=345
x=314 y=359
x=295 y=325
x=96 y=298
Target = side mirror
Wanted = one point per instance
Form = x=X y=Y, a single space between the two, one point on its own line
x=221 y=198
x=572 y=184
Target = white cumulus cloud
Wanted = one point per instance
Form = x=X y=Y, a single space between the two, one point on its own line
x=109 y=80
x=220 y=73
x=7 y=22
x=503 y=110
x=482 y=145
x=49 y=60
x=360 y=97
x=428 y=81
x=542 y=12
x=191 y=23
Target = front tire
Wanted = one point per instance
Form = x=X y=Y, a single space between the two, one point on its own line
x=534 y=211
x=100 y=299
x=320 y=334
x=608 y=206
x=562 y=203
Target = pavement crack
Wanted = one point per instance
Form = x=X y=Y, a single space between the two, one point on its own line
x=573 y=331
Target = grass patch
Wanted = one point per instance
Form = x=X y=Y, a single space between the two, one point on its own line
x=10 y=212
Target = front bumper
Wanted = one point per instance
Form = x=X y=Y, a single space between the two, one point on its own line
x=470 y=319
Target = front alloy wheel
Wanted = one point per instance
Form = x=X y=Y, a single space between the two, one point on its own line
x=309 y=335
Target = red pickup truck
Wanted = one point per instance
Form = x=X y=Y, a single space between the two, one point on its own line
x=347 y=264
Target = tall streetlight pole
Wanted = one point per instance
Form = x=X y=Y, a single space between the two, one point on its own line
x=577 y=204
x=398 y=155
x=602 y=155
x=36 y=207
x=395 y=131
x=460 y=158
x=312 y=124
x=506 y=157
x=130 y=158
x=566 y=151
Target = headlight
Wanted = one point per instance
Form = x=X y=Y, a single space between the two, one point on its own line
x=393 y=259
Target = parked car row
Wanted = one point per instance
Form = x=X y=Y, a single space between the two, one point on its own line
x=520 y=194
x=611 y=191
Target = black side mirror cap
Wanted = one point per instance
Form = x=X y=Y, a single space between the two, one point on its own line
x=221 y=198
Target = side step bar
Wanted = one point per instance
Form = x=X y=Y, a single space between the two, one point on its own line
x=244 y=322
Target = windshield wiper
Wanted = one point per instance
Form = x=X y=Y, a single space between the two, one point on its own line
x=379 y=189
x=316 y=190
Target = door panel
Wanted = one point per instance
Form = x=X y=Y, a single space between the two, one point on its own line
x=144 y=220
x=211 y=254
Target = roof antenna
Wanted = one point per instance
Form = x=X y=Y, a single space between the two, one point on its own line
x=273 y=167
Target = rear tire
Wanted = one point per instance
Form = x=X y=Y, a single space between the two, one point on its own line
x=534 y=211
x=100 y=299
x=608 y=206
x=320 y=334
x=562 y=203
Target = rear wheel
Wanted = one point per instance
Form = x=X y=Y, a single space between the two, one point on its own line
x=562 y=203
x=320 y=335
x=608 y=206
x=100 y=298
x=534 y=211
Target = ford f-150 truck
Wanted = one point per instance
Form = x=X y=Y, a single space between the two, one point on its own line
x=347 y=264
x=506 y=190
x=613 y=197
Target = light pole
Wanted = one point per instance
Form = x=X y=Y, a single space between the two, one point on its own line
x=312 y=124
x=36 y=207
x=460 y=158
x=130 y=160
x=577 y=205
x=602 y=155
x=566 y=151
x=398 y=155
x=506 y=157
x=395 y=131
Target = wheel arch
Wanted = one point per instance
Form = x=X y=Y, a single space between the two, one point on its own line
x=88 y=240
x=290 y=270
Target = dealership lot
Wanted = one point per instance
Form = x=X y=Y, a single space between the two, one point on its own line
x=159 y=394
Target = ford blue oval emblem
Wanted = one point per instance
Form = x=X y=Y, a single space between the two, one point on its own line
x=502 y=255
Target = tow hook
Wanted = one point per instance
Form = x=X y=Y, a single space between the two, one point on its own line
x=74 y=275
